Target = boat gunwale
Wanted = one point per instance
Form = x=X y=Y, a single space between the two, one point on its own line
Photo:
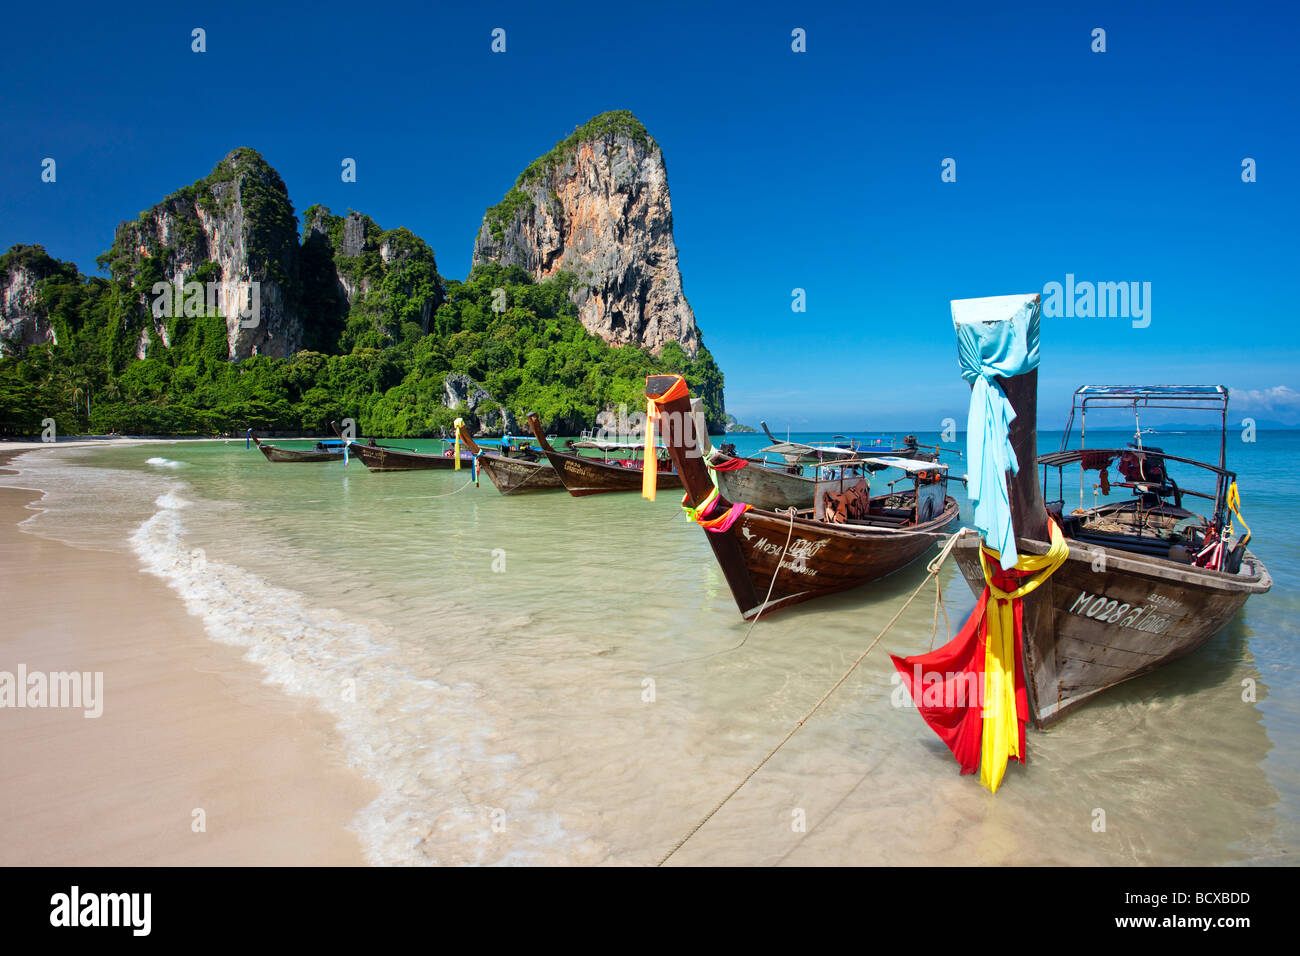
x=1186 y=575
x=861 y=530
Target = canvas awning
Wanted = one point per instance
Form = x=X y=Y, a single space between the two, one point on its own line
x=908 y=465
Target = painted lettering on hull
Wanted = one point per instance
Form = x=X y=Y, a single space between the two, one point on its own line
x=796 y=556
x=1140 y=617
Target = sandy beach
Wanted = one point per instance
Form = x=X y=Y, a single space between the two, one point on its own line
x=344 y=678
x=194 y=761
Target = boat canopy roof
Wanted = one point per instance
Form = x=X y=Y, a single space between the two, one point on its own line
x=908 y=465
x=611 y=445
x=792 y=449
x=1059 y=459
x=1127 y=394
x=1205 y=398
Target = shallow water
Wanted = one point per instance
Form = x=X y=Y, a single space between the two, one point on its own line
x=549 y=679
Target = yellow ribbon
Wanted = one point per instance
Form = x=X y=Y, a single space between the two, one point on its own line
x=649 y=461
x=649 y=475
x=459 y=424
x=1001 y=738
x=1234 y=507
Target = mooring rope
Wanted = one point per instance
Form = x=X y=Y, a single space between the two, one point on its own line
x=422 y=497
x=789 y=533
x=532 y=473
x=938 y=605
x=690 y=660
x=932 y=569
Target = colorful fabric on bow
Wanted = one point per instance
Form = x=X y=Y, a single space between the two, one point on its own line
x=731 y=464
x=458 y=424
x=973 y=691
x=722 y=522
x=649 y=462
x=991 y=345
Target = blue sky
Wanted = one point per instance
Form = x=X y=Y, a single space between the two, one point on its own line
x=818 y=171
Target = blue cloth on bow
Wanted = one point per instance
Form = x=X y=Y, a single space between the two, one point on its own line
x=995 y=337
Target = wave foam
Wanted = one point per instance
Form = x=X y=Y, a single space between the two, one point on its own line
x=425 y=743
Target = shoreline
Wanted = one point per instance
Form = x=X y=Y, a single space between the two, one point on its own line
x=187 y=726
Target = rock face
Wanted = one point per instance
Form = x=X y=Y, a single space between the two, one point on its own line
x=484 y=414
x=370 y=270
x=236 y=230
x=23 y=320
x=598 y=206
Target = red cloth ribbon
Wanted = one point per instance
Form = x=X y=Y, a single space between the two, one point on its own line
x=731 y=464
x=947 y=684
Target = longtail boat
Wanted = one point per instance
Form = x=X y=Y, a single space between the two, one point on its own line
x=389 y=458
x=1145 y=581
x=586 y=475
x=324 y=451
x=774 y=485
x=773 y=559
x=838 y=448
x=514 y=470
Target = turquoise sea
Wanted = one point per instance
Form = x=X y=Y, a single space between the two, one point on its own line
x=544 y=679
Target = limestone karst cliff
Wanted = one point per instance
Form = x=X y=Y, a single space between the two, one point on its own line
x=234 y=228
x=378 y=279
x=597 y=205
x=353 y=320
x=24 y=317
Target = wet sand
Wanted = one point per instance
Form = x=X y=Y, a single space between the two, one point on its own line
x=186 y=726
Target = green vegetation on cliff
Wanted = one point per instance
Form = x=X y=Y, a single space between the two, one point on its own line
x=522 y=343
x=243 y=176
x=392 y=275
x=381 y=331
x=611 y=123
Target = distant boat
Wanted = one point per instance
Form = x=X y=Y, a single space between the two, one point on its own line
x=773 y=559
x=514 y=469
x=586 y=475
x=324 y=451
x=1146 y=581
x=389 y=458
x=795 y=452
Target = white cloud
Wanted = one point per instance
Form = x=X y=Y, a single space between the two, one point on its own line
x=1279 y=398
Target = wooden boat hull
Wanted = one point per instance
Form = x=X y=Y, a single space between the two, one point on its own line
x=794 y=558
x=821 y=558
x=275 y=453
x=767 y=488
x=584 y=476
x=1107 y=614
x=376 y=458
x=515 y=476
x=1110 y=625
